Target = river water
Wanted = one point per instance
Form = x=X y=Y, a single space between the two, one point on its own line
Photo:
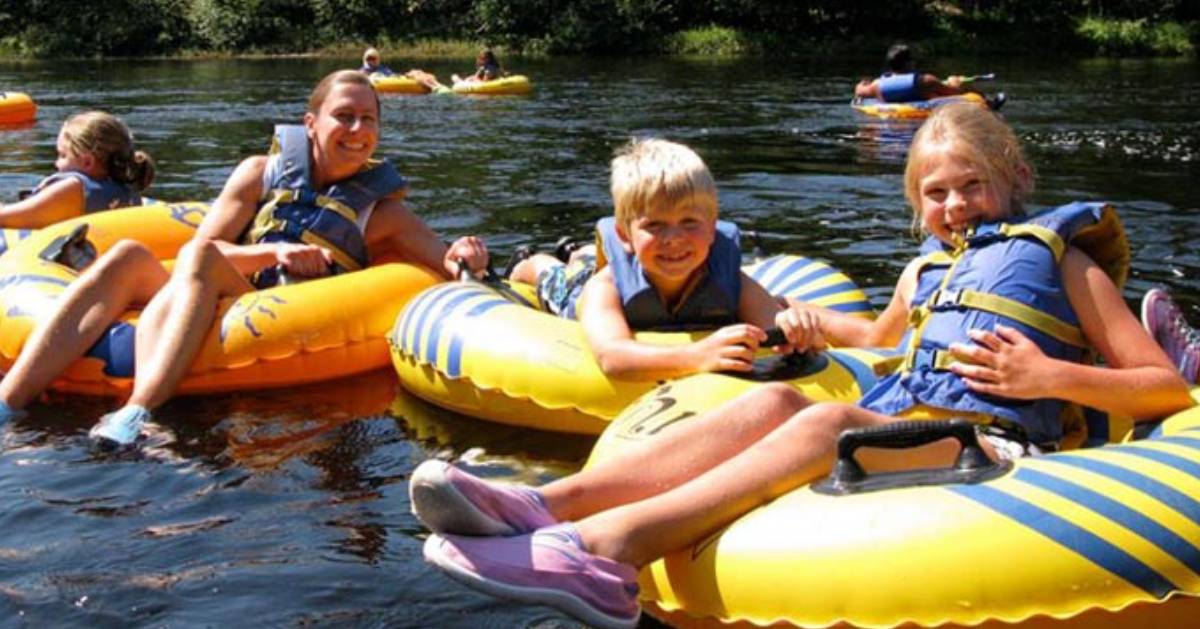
x=289 y=507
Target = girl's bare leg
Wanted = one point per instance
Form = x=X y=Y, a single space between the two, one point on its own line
x=796 y=452
x=125 y=275
x=677 y=455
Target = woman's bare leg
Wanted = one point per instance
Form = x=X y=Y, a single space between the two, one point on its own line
x=126 y=274
x=678 y=454
x=177 y=320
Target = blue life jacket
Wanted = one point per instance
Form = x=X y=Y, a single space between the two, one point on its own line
x=711 y=303
x=105 y=194
x=1003 y=273
x=333 y=218
x=900 y=88
x=380 y=69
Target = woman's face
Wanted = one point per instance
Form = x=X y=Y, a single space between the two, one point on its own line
x=343 y=132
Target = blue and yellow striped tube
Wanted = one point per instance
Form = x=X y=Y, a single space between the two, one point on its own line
x=486 y=352
x=1101 y=537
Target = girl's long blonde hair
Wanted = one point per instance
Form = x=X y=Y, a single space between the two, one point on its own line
x=977 y=136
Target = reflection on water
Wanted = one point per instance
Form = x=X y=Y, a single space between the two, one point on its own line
x=290 y=507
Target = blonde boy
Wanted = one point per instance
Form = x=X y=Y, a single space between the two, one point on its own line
x=665 y=263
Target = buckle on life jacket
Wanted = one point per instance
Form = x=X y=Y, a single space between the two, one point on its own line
x=944 y=299
x=931 y=359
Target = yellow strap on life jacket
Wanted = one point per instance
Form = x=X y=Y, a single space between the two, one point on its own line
x=942 y=360
x=1047 y=236
x=265 y=222
x=340 y=257
x=1014 y=310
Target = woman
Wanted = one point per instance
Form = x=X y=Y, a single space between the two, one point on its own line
x=329 y=155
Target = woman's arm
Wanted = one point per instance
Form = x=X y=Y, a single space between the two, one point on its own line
x=1138 y=380
x=395 y=233
x=56 y=202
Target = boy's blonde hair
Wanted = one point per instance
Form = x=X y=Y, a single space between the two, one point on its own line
x=106 y=138
x=976 y=136
x=652 y=173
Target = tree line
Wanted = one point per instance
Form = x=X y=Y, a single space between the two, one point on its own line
x=86 y=28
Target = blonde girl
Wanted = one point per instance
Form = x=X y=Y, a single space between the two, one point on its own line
x=578 y=542
x=98 y=169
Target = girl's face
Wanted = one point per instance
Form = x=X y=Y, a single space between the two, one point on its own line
x=69 y=160
x=955 y=195
x=343 y=132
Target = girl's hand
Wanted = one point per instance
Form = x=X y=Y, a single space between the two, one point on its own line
x=304 y=260
x=802 y=327
x=1004 y=363
x=471 y=250
x=730 y=348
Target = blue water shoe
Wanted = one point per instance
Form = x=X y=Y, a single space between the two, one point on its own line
x=9 y=413
x=122 y=427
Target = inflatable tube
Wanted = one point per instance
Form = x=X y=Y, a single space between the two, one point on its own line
x=398 y=84
x=10 y=237
x=485 y=351
x=16 y=108
x=307 y=332
x=515 y=85
x=913 y=110
x=1100 y=537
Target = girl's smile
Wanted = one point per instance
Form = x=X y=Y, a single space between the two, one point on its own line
x=954 y=196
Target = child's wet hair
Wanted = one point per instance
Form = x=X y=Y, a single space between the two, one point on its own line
x=650 y=174
x=975 y=135
x=898 y=59
x=351 y=77
x=105 y=137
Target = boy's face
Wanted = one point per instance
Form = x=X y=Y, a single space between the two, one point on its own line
x=670 y=243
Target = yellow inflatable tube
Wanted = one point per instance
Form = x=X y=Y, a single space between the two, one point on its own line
x=1101 y=537
x=398 y=84
x=484 y=351
x=915 y=110
x=307 y=332
x=515 y=85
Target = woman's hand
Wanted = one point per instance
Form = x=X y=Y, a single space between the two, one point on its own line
x=1005 y=363
x=471 y=250
x=730 y=348
x=802 y=328
x=304 y=260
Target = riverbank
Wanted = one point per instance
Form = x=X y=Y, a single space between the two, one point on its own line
x=942 y=33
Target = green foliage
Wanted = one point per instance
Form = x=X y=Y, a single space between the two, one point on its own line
x=708 y=27
x=1110 y=36
x=83 y=28
x=266 y=25
x=710 y=41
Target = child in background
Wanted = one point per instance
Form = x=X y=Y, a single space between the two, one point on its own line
x=667 y=265
x=901 y=82
x=487 y=68
x=98 y=169
x=577 y=543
